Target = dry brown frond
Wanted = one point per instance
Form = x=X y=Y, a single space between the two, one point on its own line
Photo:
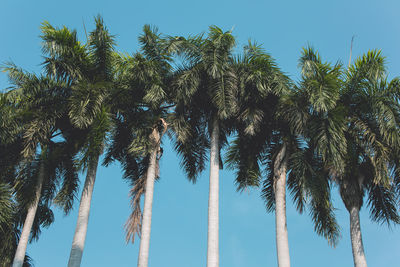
x=134 y=223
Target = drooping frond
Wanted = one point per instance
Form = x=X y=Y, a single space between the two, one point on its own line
x=268 y=191
x=134 y=223
x=382 y=204
x=6 y=209
x=325 y=223
x=241 y=157
x=66 y=180
x=192 y=146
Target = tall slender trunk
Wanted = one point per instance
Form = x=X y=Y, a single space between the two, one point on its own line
x=351 y=194
x=30 y=217
x=78 y=242
x=356 y=239
x=148 y=203
x=213 y=200
x=282 y=242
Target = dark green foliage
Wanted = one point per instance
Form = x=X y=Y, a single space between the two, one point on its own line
x=372 y=114
x=352 y=130
x=308 y=186
x=205 y=90
x=338 y=126
x=140 y=103
x=273 y=116
x=6 y=208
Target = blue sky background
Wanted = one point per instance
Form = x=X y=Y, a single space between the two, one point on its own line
x=179 y=228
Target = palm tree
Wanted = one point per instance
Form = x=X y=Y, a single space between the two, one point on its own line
x=357 y=138
x=372 y=137
x=88 y=71
x=142 y=106
x=265 y=137
x=261 y=85
x=9 y=232
x=11 y=146
x=38 y=110
x=205 y=101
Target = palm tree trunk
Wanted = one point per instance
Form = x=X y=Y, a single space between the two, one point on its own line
x=78 y=242
x=30 y=217
x=213 y=200
x=356 y=238
x=148 y=204
x=282 y=242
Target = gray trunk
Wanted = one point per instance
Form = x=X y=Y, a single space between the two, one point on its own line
x=356 y=239
x=78 y=242
x=352 y=195
x=148 y=204
x=213 y=202
x=30 y=217
x=282 y=242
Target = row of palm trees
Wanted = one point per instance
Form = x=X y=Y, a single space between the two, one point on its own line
x=335 y=126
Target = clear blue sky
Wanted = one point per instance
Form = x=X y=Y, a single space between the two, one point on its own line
x=179 y=228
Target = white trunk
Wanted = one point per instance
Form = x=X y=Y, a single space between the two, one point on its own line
x=213 y=202
x=148 y=205
x=78 y=242
x=356 y=239
x=30 y=217
x=282 y=242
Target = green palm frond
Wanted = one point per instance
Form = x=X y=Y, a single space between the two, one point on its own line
x=308 y=62
x=101 y=46
x=155 y=47
x=10 y=120
x=370 y=66
x=66 y=58
x=302 y=170
x=268 y=191
x=223 y=95
x=6 y=208
x=16 y=75
x=309 y=185
x=44 y=218
x=325 y=224
x=382 y=204
x=96 y=138
x=25 y=182
x=62 y=176
x=187 y=83
x=87 y=101
x=247 y=154
x=320 y=80
x=193 y=150
x=328 y=137
x=188 y=50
